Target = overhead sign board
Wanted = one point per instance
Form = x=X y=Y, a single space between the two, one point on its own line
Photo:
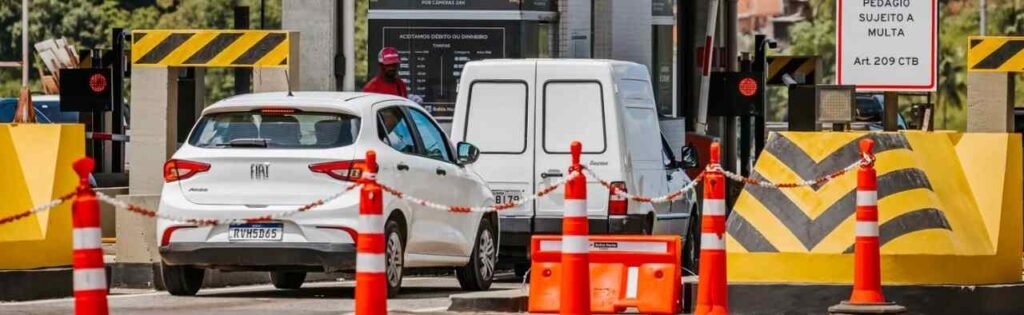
x=433 y=54
x=526 y=5
x=887 y=45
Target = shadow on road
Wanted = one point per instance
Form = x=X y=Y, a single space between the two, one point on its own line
x=334 y=292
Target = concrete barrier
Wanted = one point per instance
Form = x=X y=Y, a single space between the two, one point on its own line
x=37 y=168
x=949 y=210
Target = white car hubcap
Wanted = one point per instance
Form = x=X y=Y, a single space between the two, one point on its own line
x=486 y=255
x=394 y=259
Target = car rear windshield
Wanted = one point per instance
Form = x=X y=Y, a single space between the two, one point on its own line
x=275 y=129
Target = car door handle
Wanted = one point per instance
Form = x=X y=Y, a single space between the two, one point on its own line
x=441 y=172
x=403 y=167
x=551 y=173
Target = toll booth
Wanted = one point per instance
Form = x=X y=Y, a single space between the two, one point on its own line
x=436 y=38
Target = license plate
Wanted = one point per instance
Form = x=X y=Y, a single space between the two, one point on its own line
x=507 y=196
x=256 y=232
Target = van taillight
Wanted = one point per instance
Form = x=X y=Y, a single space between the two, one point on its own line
x=617 y=205
x=175 y=170
x=341 y=170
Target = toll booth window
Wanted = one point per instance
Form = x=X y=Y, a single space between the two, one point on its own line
x=573 y=111
x=277 y=129
x=496 y=117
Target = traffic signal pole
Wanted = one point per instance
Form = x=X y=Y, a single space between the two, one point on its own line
x=117 y=105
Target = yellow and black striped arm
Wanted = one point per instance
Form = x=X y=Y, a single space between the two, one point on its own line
x=210 y=48
x=995 y=54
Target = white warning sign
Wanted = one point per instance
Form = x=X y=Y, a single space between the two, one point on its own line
x=886 y=45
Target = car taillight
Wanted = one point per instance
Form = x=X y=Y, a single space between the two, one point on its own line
x=617 y=205
x=166 y=238
x=175 y=170
x=341 y=170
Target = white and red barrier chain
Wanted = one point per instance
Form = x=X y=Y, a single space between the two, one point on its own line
x=207 y=222
x=672 y=196
x=865 y=160
x=462 y=209
x=37 y=209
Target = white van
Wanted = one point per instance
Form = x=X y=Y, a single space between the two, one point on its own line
x=524 y=113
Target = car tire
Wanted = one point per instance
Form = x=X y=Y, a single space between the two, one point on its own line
x=394 y=257
x=478 y=274
x=182 y=280
x=691 y=247
x=288 y=280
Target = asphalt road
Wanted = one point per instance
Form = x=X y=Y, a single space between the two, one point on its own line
x=420 y=295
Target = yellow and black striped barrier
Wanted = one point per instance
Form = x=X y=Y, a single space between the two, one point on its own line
x=995 y=54
x=947 y=202
x=803 y=69
x=210 y=48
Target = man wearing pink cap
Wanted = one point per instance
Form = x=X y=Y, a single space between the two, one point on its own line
x=386 y=81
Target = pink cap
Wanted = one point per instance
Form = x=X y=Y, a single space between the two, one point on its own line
x=388 y=56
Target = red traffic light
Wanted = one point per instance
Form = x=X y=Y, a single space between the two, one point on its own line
x=97 y=83
x=748 y=87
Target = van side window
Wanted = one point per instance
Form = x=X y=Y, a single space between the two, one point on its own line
x=496 y=117
x=393 y=129
x=573 y=110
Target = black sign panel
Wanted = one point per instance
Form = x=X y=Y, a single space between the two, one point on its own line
x=85 y=90
x=662 y=7
x=433 y=54
x=542 y=5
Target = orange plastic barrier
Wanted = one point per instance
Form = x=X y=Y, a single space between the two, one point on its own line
x=626 y=271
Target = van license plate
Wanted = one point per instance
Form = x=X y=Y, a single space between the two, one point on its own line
x=256 y=232
x=507 y=196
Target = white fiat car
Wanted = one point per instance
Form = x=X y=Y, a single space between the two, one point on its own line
x=264 y=154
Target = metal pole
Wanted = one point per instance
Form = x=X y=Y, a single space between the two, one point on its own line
x=24 y=44
x=982 y=8
x=263 y=17
x=243 y=76
x=705 y=80
x=117 y=106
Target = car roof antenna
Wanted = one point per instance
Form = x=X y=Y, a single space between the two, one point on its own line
x=288 y=83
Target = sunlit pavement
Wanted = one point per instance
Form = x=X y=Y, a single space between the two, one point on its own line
x=420 y=295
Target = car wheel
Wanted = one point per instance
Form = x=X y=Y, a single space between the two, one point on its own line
x=479 y=272
x=182 y=280
x=394 y=257
x=290 y=280
x=691 y=248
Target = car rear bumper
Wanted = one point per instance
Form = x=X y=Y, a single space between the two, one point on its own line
x=516 y=232
x=262 y=256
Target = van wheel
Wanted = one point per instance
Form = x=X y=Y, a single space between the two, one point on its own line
x=691 y=248
x=479 y=272
x=182 y=280
x=287 y=280
x=394 y=257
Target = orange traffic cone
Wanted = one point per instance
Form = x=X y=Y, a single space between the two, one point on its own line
x=90 y=279
x=712 y=288
x=575 y=295
x=25 y=112
x=371 y=278
x=867 y=278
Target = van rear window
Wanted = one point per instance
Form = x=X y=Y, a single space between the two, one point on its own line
x=574 y=111
x=496 y=117
x=275 y=129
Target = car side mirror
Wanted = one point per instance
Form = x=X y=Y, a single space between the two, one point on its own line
x=467 y=153
x=689 y=157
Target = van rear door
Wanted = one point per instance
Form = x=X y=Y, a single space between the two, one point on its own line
x=571 y=109
x=498 y=119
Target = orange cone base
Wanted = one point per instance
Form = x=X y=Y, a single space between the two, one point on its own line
x=371 y=293
x=707 y=310
x=93 y=302
x=847 y=308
